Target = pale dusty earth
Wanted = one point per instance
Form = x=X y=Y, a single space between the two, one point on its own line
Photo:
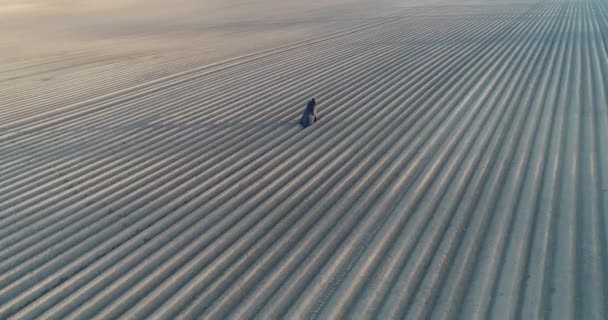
x=152 y=164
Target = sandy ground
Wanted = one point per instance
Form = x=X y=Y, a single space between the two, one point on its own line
x=42 y=29
x=151 y=163
x=60 y=53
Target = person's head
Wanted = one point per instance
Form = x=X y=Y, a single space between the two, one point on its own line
x=313 y=100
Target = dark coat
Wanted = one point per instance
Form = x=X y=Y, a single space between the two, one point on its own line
x=310 y=114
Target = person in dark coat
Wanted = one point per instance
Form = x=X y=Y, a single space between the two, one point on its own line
x=310 y=113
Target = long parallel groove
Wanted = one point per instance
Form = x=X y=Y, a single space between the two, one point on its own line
x=125 y=60
x=510 y=272
x=420 y=214
x=408 y=237
x=379 y=23
x=286 y=47
x=110 y=80
x=601 y=132
x=459 y=170
x=71 y=168
x=99 y=59
x=449 y=149
x=531 y=209
x=535 y=298
x=376 y=23
x=504 y=227
x=84 y=126
x=563 y=295
x=592 y=304
x=207 y=79
x=446 y=151
x=94 y=76
x=602 y=120
x=47 y=61
x=197 y=304
x=459 y=215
